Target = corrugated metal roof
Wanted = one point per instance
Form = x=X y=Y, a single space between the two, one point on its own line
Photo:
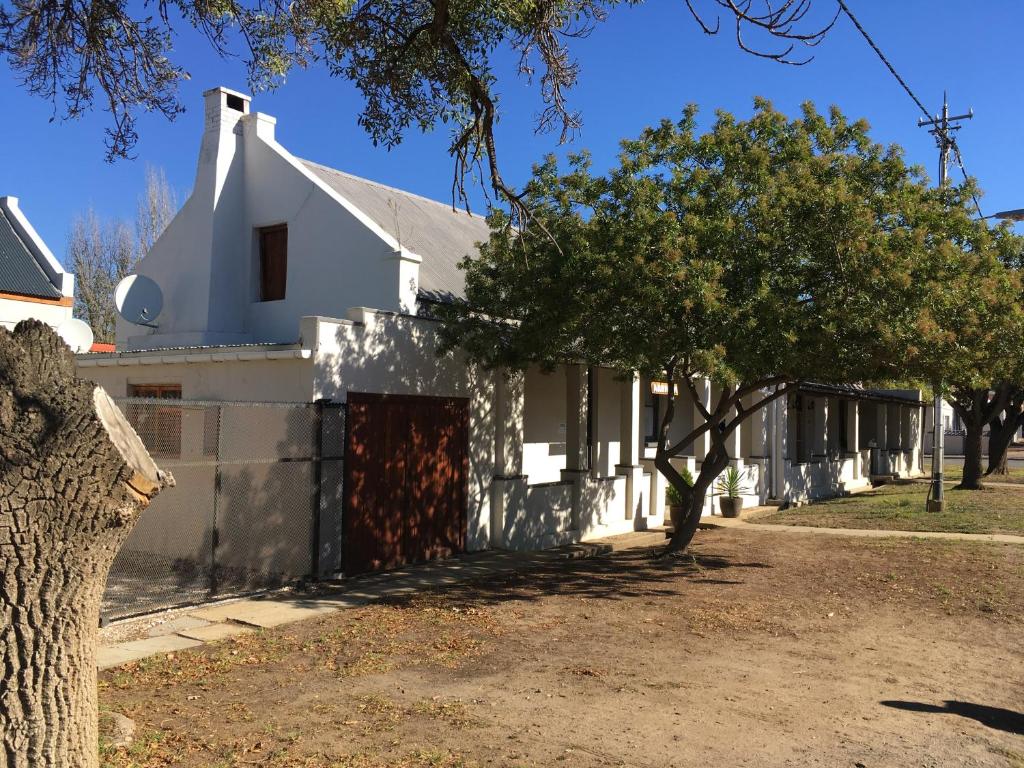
x=202 y=348
x=858 y=392
x=428 y=228
x=20 y=273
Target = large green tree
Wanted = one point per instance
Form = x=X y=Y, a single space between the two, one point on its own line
x=762 y=253
x=982 y=357
x=417 y=63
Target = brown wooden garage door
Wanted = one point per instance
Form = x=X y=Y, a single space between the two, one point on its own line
x=406 y=466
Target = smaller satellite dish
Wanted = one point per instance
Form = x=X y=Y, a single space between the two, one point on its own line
x=139 y=300
x=76 y=334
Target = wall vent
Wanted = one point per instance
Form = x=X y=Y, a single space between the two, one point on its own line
x=236 y=103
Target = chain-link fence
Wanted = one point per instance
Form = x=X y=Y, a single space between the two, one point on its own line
x=257 y=502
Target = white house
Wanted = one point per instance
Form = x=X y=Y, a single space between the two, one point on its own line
x=33 y=284
x=288 y=281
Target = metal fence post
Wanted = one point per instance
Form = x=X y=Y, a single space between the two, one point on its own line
x=318 y=453
x=215 y=535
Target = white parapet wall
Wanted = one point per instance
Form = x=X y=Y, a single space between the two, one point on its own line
x=825 y=477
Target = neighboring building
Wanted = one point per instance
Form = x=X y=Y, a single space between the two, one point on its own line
x=33 y=284
x=287 y=281
x=955 y=432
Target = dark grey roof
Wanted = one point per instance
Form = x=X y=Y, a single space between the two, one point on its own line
x=20 y=273
x=859 y=392
x=428 y=228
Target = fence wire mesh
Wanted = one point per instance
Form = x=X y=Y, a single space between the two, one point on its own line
x=251 y=498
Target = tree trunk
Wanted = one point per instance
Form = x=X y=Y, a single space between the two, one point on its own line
x=972 y=457
x=1004 y=427
x=999 y=438
x=74 y=477
x=713 y=465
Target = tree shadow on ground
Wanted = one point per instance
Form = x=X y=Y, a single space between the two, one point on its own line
x=624 y=575
x=994 y=717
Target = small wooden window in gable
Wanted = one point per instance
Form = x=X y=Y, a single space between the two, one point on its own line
x=158 y=426
x=273 y=262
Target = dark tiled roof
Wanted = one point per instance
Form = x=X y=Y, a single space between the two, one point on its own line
x=20 y=273
x=430 y=229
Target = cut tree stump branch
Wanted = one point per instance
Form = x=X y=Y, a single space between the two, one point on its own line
x=74 y=477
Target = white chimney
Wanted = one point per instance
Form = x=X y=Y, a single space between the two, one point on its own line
x=224 y=108
x=221 y=240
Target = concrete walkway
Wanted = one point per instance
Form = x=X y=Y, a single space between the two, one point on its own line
x=870 y=533
x=190 y=628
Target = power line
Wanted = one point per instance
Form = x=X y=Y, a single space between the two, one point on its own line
x=846 y=9
x=963 y=170
x=903 y=83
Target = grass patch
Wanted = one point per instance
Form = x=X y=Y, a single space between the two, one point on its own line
x=954 y=471
x=902 y=508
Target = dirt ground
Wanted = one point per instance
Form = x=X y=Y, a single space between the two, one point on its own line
x=763 y=650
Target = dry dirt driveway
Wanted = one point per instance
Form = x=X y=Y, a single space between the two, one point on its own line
x=765 y=649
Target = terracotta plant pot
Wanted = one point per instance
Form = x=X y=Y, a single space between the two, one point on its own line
x=730 y=506
x=676 y=516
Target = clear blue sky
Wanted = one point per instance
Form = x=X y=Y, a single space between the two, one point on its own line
x=642 y=64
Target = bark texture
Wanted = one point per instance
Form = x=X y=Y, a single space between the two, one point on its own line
x=74 y=477
x=1003 y=428
x=972 y=458
x=977 y=408
x=713 y=465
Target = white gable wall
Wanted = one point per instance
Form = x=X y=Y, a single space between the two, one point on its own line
x=335 y=261
x=207 y=261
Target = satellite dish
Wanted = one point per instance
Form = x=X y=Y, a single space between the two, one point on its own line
x=139 y=300
x=76 y=334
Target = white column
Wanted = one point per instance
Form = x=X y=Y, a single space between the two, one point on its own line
x=881 y=424
x=629 y=446
x=629 y=422
x=575 y=418
x=733 y=445
x=820 y=436
x=882 y=436
x=758 y=426
x=852 y=447
x=508 y=423
x=780 y=446
x=576 y=442
x=508 y=497
x=702 y=445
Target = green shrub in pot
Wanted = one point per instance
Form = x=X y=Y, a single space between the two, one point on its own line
x=730 y=486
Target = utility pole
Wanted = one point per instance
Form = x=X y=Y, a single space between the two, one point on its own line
x=942 y=127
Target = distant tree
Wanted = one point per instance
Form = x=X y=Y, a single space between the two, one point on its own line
x=419 y=64
x=760 y=254
x=101 y=252
x=157 y=205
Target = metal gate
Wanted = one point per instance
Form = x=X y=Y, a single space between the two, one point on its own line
x=405 y=484
x=257 y=502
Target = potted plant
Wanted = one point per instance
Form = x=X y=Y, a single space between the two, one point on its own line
x=676 y=508
x=730 y=486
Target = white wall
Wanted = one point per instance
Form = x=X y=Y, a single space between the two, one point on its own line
x=13 y=311
x=276 y=381
x=396 y=354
